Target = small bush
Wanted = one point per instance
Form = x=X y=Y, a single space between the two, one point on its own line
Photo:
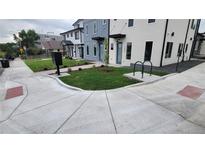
x=80 y=69
x=69 y=70
x=2 y=54
x=102 y=66
x=45 y=68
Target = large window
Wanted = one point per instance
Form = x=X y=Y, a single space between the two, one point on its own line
x=130 y=22
x=86 y=29
x=95 y=28
x=129 y=50
x=87 y=50
x=180 y=49
x=95 y=51
x=151 y=20
x=71 y=34
x=168 y=49
x=76 y=35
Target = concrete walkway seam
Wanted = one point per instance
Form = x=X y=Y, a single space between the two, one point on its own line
x=76 y=110
x=167 y=109
x=113 y=121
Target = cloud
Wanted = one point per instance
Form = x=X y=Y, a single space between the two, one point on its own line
x=8 y=27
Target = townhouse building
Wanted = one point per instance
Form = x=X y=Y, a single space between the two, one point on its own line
x=73 y=42
x=160 y=41
x=95 y=32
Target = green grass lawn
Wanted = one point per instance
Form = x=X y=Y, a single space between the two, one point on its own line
x=102 y=78
x=99 y=78
x=41 y=65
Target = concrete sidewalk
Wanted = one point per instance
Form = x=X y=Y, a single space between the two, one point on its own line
x=49 y=107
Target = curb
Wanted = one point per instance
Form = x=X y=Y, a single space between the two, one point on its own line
x=63 y=84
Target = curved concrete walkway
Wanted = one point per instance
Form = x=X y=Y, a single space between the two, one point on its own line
x=48 y=107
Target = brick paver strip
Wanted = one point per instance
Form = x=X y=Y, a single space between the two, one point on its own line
x=191 y=92
x=14 y=92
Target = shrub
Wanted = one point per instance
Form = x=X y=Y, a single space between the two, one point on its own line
x=2 y=54
x=80 y=69
x=102 y=66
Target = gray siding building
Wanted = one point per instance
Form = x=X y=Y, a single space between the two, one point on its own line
x=95 y=32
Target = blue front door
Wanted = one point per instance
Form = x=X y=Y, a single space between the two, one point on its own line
x=119 y=53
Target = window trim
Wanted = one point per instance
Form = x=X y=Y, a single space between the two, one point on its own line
x=95 y=28
x=87 y=50
x=169 y=55
x=129 y=44
x=95 y=51
x=131 y=22
x=151 y=21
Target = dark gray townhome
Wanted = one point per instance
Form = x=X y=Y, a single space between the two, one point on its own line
x=95 y=32
x=73 y=40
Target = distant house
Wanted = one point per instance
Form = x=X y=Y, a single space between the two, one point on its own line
x=49 y=42
x=157 y=40
x=95 y=32
x=199 y=49
x=73 y=40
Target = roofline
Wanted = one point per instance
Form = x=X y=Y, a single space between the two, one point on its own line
x=77 y=21
x=79 y=28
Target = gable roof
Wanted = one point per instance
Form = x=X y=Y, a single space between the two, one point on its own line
x=52 y=44
x=77 y=21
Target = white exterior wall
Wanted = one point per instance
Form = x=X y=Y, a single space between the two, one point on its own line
x=143 y=31
x=179 y=27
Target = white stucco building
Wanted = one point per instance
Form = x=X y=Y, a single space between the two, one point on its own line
x=74 y=41
x=157 y=40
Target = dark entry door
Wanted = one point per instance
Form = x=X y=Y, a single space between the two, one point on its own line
x=119 y=53
x=148 y=51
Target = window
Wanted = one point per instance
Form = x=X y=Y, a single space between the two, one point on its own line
x=192 y=24
x=180 y=49
x=95 y=51
x=112 y=46
x=151 y=20
x=71 y=34
x=129 y=50
x=76 y=35
x=168 y=49
x=130 y=22
x=186 y=48
x=95 y=28
x=115 y=19
x=86 y=29
x=68 y=35
x=104 y=22
x=87 y=50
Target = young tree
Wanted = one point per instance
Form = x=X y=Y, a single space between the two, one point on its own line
x=106 y=57
x=26 y=39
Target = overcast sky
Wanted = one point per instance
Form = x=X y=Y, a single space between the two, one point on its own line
x=10 y=27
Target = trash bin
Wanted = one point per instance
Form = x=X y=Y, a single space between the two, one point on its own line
x=5 y=63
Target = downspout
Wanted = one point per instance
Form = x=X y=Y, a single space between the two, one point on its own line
x=108 y=46
x=185 y=40
x=165 y=34
x=195 y=35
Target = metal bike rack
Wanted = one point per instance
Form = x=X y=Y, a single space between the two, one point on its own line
x=150 y=72
x=142 y=70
